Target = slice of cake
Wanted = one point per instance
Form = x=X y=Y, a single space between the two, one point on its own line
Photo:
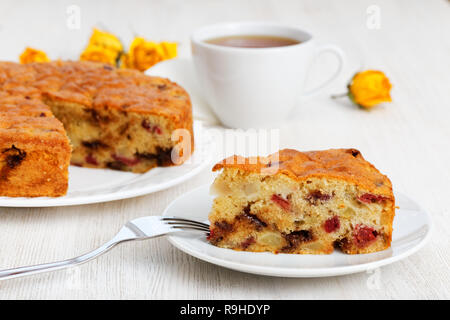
x=302 y=202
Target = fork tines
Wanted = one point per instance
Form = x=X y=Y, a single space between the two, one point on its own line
x=180 y=223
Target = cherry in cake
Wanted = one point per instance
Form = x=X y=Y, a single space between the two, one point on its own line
x=309 y=203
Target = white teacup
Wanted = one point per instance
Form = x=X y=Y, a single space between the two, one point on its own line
x=255 y=87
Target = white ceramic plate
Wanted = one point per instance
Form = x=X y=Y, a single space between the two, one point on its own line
x=412 y=228
x=99 y=185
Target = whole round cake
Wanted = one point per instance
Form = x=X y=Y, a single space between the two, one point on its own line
x=90 y=115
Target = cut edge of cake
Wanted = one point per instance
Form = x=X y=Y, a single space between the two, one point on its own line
x=34 y=154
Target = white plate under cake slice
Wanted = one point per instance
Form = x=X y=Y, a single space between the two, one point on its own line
x=412 y=229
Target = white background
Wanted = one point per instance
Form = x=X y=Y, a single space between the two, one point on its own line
x=407 y=139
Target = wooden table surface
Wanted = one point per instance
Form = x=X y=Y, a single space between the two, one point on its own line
x=408 y=139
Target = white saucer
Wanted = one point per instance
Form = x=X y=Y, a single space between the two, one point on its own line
x=412 y=228
x=99 y=185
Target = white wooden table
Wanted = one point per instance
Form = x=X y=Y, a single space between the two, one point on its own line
x=409 y=140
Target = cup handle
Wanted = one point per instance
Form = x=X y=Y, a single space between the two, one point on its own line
x=341 y=60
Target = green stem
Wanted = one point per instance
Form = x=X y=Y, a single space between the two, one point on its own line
x=341 y=95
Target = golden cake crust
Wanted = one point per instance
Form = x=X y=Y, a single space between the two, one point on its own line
x=345 y=164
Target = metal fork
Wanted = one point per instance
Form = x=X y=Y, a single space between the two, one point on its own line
x=137 y=229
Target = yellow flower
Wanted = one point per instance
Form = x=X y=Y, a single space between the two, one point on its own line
x=105 y=40
x=369 y=88
x=170 y=49
x=102 y=47
x=99 y=54
x=33 y=55
x=124 y=61
x=143 y=54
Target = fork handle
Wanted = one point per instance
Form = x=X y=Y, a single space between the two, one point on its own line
x=137 y=229
x=52 y=266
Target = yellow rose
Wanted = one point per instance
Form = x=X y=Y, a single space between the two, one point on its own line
x=102 y=47
x=170 y=49
x=105 y=40
x=369 y=88
x=125 y=61
x=99 y=54
x=33 y=55
x=143 y=54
